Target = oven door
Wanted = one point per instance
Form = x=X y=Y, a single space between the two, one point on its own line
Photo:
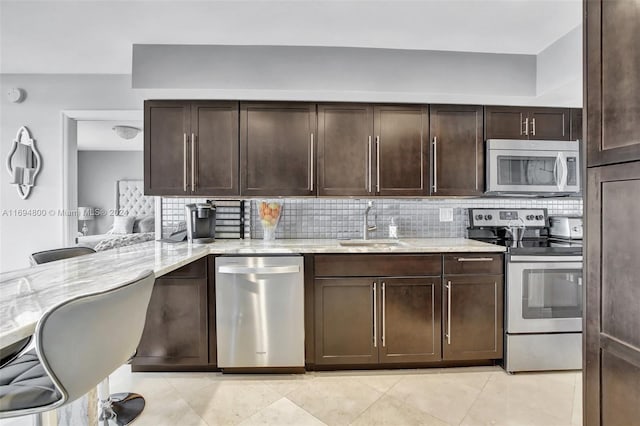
x=544 y=294
x=532 y=171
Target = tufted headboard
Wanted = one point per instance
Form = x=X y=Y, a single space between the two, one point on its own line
x=130 y=198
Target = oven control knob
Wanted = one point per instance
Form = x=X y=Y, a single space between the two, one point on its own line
x=488 y=217
x=539 y=217
x=530 y=217
x=479 y=217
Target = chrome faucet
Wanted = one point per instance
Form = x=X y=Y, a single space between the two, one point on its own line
x=366 y=228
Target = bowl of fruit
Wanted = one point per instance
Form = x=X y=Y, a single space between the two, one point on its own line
x=270 y=212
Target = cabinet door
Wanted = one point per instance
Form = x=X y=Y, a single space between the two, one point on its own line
x=472 y=317
x=456 y=133
x=612 y=59
x=410 y=315
x=402 y=150
x=505 y=122
x=277 y=148
x=549 y=124
x=345 y=149
x=214 y=148
x=346 y=321
x=166 y=155
x=576 y=124
x=176 y=329
x=612 y=339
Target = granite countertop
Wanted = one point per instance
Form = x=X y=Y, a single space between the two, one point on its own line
x=25 y=294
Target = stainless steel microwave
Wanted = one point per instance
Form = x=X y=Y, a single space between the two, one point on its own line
x=532 y=167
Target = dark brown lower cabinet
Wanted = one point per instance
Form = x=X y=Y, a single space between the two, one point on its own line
x=176 y=332
x=472 y=317
x=377 y=320
x=344 y=316
x=410 y=315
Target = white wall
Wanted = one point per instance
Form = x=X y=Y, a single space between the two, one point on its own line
x=47 y=96
x=560 y=64
x=98 y=172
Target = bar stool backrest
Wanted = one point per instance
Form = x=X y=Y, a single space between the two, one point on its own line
x=83 y=340
x=57 y=254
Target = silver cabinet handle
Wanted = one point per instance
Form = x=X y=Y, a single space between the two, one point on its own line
x=265 y=270
x=193 y=162
x=377 y=163
x=311 y=177
x=375 y=317
x=475 y=259
x=184 y=163
x=533 y=126
x=448 y=336
x=526 y=126
x=435 y=164
x=369 y=156
x=384 y=316
x=522 y=130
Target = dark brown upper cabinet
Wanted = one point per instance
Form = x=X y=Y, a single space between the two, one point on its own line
x=456 y=133
x=401 y=150
x=345 y=149
x=506 y=122
x=166 y=128
x=576 y=124
x=373 y=150
x=191 y=148
x=214 y=148
x=277 y=149
x=612 y=97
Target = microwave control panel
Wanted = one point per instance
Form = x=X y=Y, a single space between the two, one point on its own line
x=531 y=218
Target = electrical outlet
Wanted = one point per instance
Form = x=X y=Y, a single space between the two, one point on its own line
x=446 y=214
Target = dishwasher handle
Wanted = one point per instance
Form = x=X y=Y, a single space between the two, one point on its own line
x=292 y=269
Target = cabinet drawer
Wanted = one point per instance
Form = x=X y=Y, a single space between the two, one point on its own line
x=377 y=265
x=196 y=269
x=473 y=263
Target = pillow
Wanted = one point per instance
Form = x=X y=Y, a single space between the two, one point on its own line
x=123 y=224
x=144 y=224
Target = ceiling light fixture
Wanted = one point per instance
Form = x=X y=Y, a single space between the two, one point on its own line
x=126 y=132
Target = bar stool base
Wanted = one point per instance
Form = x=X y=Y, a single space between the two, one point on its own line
x=125 y=407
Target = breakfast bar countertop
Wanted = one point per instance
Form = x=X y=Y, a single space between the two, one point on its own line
x=25 y=294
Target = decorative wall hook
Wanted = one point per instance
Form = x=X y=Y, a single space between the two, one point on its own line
x=23 y=162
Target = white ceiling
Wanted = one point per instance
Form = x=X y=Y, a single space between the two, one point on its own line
x=99 y=136
x=97 y=36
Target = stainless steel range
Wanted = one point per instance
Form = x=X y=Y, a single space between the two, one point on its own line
x=544 y=285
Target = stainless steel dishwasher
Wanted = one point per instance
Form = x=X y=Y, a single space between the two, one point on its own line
x=260 y=311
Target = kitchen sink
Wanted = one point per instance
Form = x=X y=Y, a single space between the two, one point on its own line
x=372 y=243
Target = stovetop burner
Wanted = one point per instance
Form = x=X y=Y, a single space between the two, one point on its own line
x=490 y=226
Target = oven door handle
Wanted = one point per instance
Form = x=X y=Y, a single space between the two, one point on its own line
x=546 y=259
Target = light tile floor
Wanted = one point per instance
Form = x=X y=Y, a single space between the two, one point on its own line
x=453 y=396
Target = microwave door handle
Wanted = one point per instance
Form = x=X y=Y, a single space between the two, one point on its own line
x=564 y=171
x=555 y=172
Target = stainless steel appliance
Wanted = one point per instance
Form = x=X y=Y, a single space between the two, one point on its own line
x=569 y=227
x=260 y=311
x=532 y=167
x=544 y=287
x=201 y=222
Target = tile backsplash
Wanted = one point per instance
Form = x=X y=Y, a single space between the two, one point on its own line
x=343 y=217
